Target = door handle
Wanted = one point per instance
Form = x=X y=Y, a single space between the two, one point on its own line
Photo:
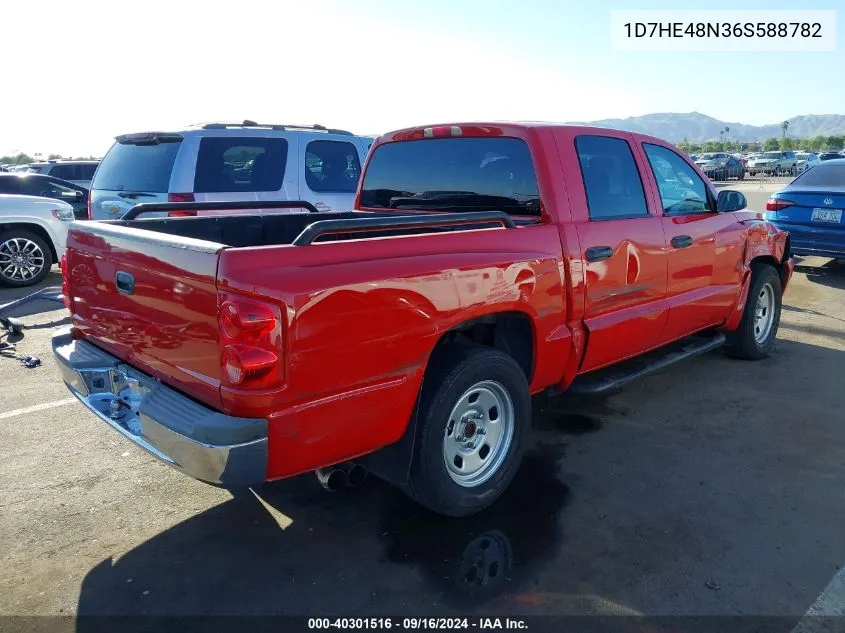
x=681 y=241
x=598 y=253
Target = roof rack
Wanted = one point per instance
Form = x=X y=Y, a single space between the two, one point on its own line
x=275 y=126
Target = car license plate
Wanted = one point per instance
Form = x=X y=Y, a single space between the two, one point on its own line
x=830 y=216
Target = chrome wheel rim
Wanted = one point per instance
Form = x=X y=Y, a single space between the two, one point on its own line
x=478 y=434
x=764 y=314
x=20 y=259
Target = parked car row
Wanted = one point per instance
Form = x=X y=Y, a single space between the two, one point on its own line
x=723 y=165
x=79 y=172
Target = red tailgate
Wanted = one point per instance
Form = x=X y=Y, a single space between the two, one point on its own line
x=163 y=318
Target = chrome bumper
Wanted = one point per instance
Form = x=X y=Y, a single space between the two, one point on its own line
x=199 y=441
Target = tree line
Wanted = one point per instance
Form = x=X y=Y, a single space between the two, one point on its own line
x=23 y=159
x=814 y=144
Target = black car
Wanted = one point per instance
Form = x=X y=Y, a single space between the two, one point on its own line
x=724 y=168
x=47 y=187
x=830 y=156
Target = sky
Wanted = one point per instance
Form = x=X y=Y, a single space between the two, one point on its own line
x=76 y=74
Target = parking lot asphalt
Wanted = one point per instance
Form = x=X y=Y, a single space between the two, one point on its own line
x=714 y=488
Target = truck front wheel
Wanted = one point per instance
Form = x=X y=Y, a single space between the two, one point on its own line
x=473 y=420
x=755 y=336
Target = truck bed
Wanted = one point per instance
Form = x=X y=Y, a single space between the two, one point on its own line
x=243 y=230
x=239 y=230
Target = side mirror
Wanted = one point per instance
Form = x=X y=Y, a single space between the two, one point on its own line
x=730 y=201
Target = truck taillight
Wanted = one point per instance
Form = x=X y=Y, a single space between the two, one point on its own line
x=65 y=285
x=776 y=204
x=250 y=342
x=243 y=363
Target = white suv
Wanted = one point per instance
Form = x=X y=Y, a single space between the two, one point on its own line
x=79 y=172
x=230 y=162
x=33 y=232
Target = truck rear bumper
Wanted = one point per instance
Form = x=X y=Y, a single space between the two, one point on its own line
x=199 y=441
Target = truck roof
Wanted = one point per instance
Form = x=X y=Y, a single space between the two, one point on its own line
x=498 y=128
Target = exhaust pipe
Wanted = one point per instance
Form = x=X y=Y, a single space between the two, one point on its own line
x=339 y=476
x=332 y=478
x=356 y=473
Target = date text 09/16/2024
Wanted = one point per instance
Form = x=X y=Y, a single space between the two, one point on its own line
x=416 y=624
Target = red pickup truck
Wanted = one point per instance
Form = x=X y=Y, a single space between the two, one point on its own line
x=482 y=263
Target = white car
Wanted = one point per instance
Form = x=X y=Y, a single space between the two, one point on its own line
x=79 y=172
x=230 y=162
x=33 y=232
x=805 y=161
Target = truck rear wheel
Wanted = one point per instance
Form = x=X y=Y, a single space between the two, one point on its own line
x=473 y=422
x=755 y=336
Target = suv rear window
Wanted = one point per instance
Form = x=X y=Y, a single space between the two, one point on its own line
x=227 y=164
x=453 y=174
x=137 y=167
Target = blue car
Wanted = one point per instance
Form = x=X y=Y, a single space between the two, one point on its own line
x=812 y=209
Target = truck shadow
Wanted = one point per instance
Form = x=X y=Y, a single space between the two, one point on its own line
x=291 y=548
x=830 y=274
x=54 y=278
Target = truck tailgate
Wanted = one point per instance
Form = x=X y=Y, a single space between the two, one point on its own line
x=151 y=300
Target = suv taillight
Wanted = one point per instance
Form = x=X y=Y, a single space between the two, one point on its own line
x=250 y=342
x=90 y=215
x=65 y=285
x=180 y=197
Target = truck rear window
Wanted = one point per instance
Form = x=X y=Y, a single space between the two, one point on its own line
x=452 y=174
x=137 y=167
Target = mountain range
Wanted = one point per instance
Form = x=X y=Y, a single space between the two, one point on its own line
x=698 y=128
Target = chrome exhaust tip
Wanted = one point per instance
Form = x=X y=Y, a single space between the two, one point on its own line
x=332 y=478
x=356 y=474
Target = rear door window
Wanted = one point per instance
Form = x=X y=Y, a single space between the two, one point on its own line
x=611 y=178
x=240 y=164
x=453 y=174
x=137 y=166
x=332 y=166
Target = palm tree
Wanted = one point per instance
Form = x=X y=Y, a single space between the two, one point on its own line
x=784 y=127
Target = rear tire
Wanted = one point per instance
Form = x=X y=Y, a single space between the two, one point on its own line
x=755 y=336
x=25 y=259
x=474 y=419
